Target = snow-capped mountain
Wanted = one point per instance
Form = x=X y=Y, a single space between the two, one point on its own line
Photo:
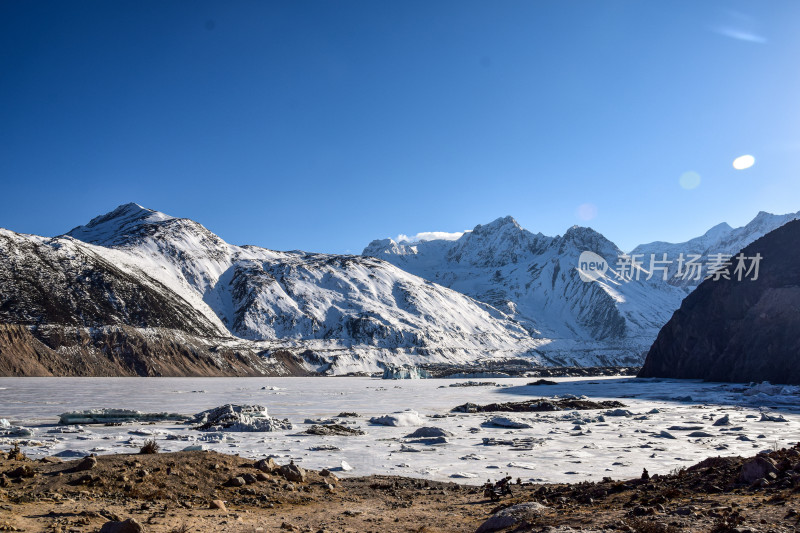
x=732 y=330
x=138 y=291
x=534 y=279
x=347 y=313
x=721 y=239
x=63 y=281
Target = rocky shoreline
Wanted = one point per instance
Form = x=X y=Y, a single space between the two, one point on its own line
x=208 y=491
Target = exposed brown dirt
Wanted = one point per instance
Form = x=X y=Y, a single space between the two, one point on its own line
x=172 y=492
x=127 y=351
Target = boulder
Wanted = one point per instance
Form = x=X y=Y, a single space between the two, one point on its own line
x=218 y=504
x=126 y=526
x=87 y=463
x=724 y=421
x=756 y=469
x=22 y=471
x=428 y=432
x=510 y=516
x=292 y=472
x=267 y=465
x=236 y=482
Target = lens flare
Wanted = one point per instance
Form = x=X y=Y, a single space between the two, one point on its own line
x=689 y=180
x=586 y=211
x=743 y=161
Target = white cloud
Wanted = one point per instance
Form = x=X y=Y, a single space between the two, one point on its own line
x=740 y=34
x=430 y=236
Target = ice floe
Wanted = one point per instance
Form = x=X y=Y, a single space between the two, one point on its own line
x=405 y=418
x=232 y=417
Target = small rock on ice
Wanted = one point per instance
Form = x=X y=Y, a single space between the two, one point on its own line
x=508 y=422
x=428 y=432
x=724 y=421
x=400 y=418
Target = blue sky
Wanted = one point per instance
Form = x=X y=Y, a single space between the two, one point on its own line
x=323 y=125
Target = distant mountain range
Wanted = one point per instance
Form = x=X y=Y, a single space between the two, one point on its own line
x=739 y=330
x=136 y=291
x=533 y=279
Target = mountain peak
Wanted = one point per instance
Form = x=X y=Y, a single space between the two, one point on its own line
x=587 y=238
x=720 y=229
x=108 y=228
x=498 y=224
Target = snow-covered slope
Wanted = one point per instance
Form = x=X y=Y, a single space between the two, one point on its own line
x=63 y=281
x=721 y=239
x=533 y=278
x=496 y=292
x=341 y=302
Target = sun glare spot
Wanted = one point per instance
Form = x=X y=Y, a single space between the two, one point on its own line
x=586 y=211
x=743 y=161
x=689 y=180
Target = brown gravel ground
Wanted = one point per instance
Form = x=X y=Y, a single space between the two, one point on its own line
x=172 y=492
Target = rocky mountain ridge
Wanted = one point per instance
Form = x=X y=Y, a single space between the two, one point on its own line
x=142 y=269
x=739 y=330
x=533 y=278
x=135 y=284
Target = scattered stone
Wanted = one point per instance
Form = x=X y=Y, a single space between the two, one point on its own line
x=114 y=416
x=428 y=432
x=22 y=471
x=236 y=481
x=333 y=429
x=524 y=443
x=538 y=405
x=542 y=381
x=267 y=465
x=618 y=412
x=87 y=463
x=474 y=384
x=724 y=421
x=218 y=504
x=511 y=516
x=127 y=526
x=292 y=472
x=507 y=422
x=429 y=442
x=756 y=469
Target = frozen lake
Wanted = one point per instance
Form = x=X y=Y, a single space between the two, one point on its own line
x=575 y=446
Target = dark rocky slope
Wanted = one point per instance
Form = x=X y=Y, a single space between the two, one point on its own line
x=59 y=281
x=67 y=311
x=127 y=351
x=741 y=331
